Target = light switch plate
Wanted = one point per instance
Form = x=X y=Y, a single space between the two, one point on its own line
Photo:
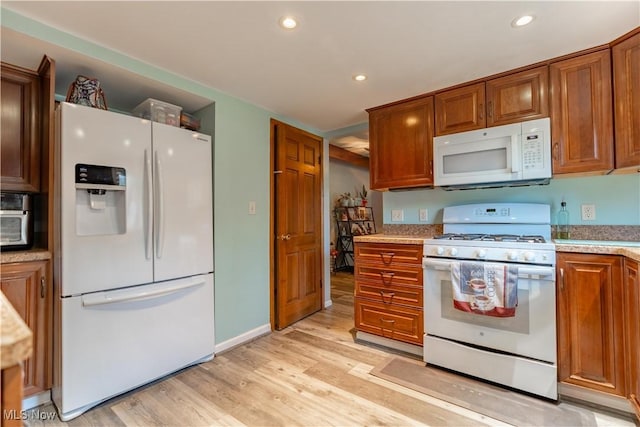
x=397 y=215
x=424 y=215
x=252 y=208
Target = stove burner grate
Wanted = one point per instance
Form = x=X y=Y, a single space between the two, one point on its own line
x=491 y=237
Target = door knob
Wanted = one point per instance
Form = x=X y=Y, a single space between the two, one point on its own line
x=285 y=237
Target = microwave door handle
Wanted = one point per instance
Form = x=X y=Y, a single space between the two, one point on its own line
x=515 y=154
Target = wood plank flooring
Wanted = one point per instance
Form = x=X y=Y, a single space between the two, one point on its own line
x=310 y=374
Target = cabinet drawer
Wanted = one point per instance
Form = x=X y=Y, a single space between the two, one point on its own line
x=389 y=321
x=389 y=254
x=386 y=276
x=395 y=294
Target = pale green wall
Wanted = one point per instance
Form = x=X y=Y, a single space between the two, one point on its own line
x=241 y=174
x=617 y=199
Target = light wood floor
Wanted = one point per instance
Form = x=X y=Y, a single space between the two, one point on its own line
x=311 y=374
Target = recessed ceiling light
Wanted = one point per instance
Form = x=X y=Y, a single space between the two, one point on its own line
x=359 y=77
x=288 y=22
x=522 y=21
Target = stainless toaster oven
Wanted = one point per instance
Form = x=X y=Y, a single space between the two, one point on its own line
x=15 y=221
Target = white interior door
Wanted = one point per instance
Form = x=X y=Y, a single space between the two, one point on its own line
x=183 y=214
x=103 y=245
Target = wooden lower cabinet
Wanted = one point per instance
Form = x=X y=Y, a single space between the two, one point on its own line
x=389 y=291
x=590 y=322
x=27 y=287
x=632 y=322
x=390 y=320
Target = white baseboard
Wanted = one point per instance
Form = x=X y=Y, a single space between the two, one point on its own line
x=36 y=400
x=243 y=338
x=328 y=303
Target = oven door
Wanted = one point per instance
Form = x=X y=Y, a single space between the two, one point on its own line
x=530 y=333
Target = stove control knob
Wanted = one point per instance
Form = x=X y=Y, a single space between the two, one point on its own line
x=512 y=255
x=453 y=252
x=440 y=250
x=529 y=256
x=482 y=253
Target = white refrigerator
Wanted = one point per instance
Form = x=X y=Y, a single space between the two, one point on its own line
x=134 y=255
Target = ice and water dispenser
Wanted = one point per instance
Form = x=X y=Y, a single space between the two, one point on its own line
x=100 y=200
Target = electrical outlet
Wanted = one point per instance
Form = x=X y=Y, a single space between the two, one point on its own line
x=397 y=215
x=424 y=215
x=588 y=212
x=252 y=208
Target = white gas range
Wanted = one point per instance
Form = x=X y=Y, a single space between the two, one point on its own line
x=489 y=292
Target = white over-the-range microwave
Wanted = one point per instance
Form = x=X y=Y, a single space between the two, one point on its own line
x=515 y=154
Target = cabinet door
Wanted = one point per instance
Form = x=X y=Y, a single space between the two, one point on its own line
x=19 y=137
x=460 y=110
x=26 y=287
x=518 y=97
x=581 y=114
x=632 y=320
x=626 y=86
x=401 y=145
x=590 y=328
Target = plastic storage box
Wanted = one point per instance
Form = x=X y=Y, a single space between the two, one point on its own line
x=158 y=111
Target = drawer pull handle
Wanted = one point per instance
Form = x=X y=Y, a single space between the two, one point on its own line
x=390 y=295
x=387 y=274
x=391 y=322
x=562 y=279
x=389 y=257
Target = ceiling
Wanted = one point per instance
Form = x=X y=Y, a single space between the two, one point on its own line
x=237 y=47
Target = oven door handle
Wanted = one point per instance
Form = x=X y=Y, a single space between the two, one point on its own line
x=523 y=271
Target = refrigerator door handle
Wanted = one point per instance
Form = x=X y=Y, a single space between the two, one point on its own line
x=148 y=250
x=159 y=207
x=135 y=294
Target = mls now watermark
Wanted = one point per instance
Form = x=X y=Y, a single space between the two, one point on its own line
x=33 y=415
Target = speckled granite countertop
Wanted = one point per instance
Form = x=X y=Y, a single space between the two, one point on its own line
x=391 y=238
x=15 y=337
x=613 y=247
x=24 y=256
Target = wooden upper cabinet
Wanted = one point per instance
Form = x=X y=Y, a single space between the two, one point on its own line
x=626 y=85
x=632 y=320
x=582 y=114
x=590 y=322
x=460 y=110
x=20 y=131
x=509 y=99
x=401 y=145
x=518 y=97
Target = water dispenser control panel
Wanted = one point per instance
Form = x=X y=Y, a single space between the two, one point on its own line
x=100 y=177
